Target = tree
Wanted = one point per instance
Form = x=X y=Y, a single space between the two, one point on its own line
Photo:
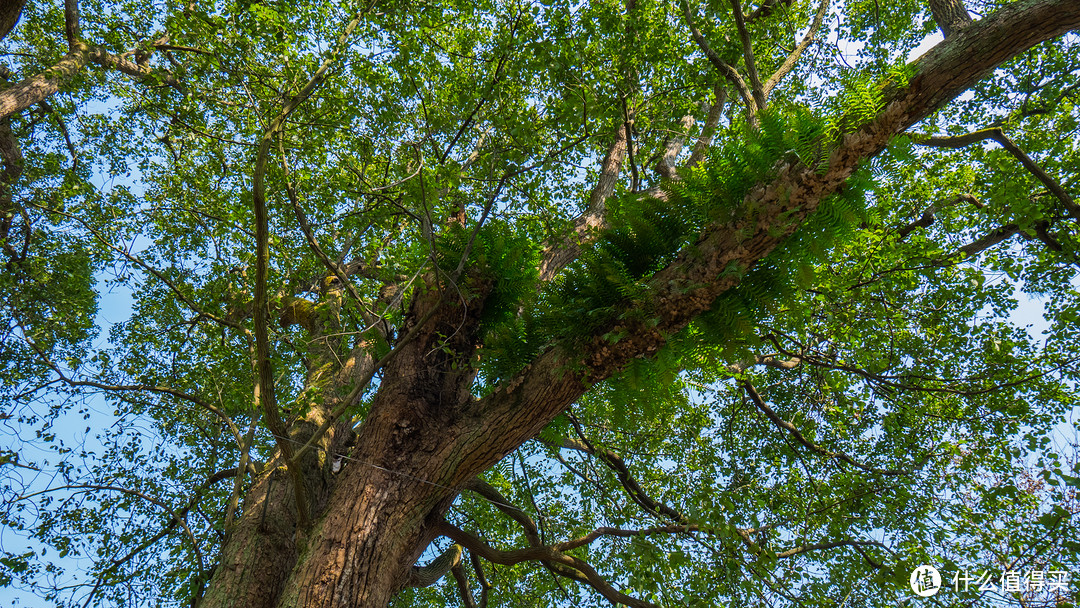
x=539 y=303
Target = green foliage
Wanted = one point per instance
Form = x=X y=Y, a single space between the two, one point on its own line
x=644 y=234
x=134 y=208
x=500 y=259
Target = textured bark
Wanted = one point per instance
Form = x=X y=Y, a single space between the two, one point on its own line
x=426 y=436
x=557 y=256
x=406 y=465
x=950 y=15
x=262 y=548
x=10 y=10
x=39 y=87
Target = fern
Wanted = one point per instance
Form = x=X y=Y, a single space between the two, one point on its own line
x=610 y=281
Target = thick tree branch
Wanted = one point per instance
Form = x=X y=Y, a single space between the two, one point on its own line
x=143 y=73
x=71 y=24
x=725 y=69
x=557 y=256
x=509 y=558
x=950 y=15
x=673 y=145
x=35 y=89
x=767 y=8
x=485 y=586
x=493 y=496
x=996 y=134
x=463 y=586
x=714 y=264
x=708 y=130
x=426 y=576
x=767 y=360
x=10 y=11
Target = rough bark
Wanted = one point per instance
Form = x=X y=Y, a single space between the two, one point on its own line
x=262 y=548
x=426 y=436
x=408 y=460
x=10 y=11
x=558 y=255
x=950 y=15
x=41 y=86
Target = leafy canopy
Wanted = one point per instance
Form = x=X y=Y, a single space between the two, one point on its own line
x=866 y=400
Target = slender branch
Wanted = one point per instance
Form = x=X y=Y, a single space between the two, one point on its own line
x=173 y=287
x=532 y=536
x=628 y=125
x=621 y=533
x=305 y=227
x=996 y=134
x=509 y=558
x=241 y=467
x=793 y=57
x=264 y=395
x=165 y=390
x=175 y=517
x=47 y=107
x=89 y=487
x=183 y=49
x=622 y=473
x=894 y=382
x=465 y=124
x=748 y=56
x=726 y=70
x=787 y=426
x=831 y=545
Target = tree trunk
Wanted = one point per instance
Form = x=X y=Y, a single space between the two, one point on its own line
x=426 y=435
x=10 y=11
